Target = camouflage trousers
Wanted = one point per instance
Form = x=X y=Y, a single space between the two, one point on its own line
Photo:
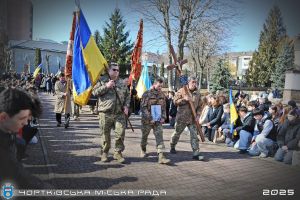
x=158 y=133
x=106 y=123
x=180 y=126
x=76 y=111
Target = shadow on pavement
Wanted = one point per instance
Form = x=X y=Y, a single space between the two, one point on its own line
x=96 y=183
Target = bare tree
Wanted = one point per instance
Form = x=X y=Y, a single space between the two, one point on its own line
x=186 y=14
x=8 y=59
x=178 y=19
x=211 y=36
x=204 y=45
x=157 y=12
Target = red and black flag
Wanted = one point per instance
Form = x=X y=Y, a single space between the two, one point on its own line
x=136 y=65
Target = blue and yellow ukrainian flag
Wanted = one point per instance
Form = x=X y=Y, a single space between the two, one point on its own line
x=144 y=83
x=233 y=113
x=37 y=70
x=88 y=62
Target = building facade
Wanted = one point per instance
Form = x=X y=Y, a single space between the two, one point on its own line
x=23 y=54
x=238 y=63
x=152 y=59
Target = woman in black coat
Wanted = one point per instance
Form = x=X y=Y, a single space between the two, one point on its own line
x=214 y=116
x=172 y=110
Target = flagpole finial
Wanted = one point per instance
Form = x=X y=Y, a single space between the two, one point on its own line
x=77 y=2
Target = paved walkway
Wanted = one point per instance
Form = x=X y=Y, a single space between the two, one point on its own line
x=69 y=159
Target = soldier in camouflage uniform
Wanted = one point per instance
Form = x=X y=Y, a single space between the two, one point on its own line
x=184 y=117
x=110 y=112
x=150 y=98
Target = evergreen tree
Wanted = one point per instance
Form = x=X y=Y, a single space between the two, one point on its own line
x=47 y=58
x=38 y=57
x=115 y=45
x=285 y=62
x=253 y=71
x=263 y=64
x=162 y=70
x=154 y=71
x=186 y=73
x=220 y=76
x=97 y=38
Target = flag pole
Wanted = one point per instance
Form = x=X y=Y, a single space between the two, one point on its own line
x=69 y=58
x=77 y=3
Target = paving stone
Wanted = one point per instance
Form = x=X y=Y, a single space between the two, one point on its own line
x=72 y=161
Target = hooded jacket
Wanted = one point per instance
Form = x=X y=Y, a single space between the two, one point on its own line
x=248 y=124
x=289 y=134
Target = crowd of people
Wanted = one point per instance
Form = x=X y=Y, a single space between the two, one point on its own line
x=263 y=128
x=41 y=82
x=19 y=109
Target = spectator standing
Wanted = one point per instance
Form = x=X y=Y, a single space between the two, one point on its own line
x=214 y=116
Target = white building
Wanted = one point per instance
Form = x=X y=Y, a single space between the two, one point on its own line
x=243 y=65
x=23 y=52
x=152 y=59
x=239 y=62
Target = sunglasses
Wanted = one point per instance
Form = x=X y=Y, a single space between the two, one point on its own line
x=115 y=70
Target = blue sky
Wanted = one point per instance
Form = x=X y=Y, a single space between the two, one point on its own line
x=52 y=20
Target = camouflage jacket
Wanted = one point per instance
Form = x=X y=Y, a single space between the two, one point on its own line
x=108 y=102
x=152 y=97
x=184 y=112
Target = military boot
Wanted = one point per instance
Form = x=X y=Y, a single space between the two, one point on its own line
x=118 y=156
x=143 y=153
x=162 y=159
x=198 y=156
x=173 y=150
x=67 y=121
x=66 y=125
x=104 y=157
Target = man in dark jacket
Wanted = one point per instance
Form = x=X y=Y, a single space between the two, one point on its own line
x=225 y=125
x=246 y=129
x=288 y=138
x=293 y=104
x=16 y=107
x=267 y=134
